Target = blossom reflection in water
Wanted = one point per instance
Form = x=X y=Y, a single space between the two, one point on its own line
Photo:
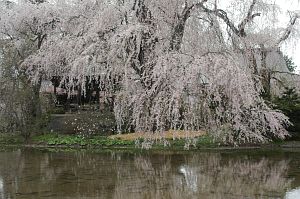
x=176 y=175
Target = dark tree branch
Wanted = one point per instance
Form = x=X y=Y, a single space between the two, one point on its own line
x=282 y=72
x=40 y=40
x=179 y=26
x=288 y=30
x=223 y=15
x=240 y=30
x=250 y=16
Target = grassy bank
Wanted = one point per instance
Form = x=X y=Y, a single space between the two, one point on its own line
x=78 y=141
x=53 y=140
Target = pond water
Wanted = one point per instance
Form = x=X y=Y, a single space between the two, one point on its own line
x=27 y=173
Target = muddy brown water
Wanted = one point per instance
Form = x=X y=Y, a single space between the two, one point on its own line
x=31 y=173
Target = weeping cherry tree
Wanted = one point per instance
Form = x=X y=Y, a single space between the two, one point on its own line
x=170 y=64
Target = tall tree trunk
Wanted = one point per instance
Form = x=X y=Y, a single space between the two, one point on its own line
x=36 y=107
x=265 y=73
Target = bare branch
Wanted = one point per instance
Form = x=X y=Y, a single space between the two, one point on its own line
x=248 y=18
x=282 y=72
x=223 y=15
x=289 y=28
x=240 y=30
x=178 y=29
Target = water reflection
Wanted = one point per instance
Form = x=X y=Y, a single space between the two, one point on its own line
x=1 y=188
x=293 y=194
x=208 y=175
x=38 y=174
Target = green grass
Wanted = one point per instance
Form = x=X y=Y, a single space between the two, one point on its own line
x=75 y=140
x=70 y=141
x=53 y=139
x=58 y=141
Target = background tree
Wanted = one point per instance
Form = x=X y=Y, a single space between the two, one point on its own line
x=290 y=64
x=23 y=35
x=289 y=103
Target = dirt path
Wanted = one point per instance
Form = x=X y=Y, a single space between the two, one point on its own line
x=166 y=134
